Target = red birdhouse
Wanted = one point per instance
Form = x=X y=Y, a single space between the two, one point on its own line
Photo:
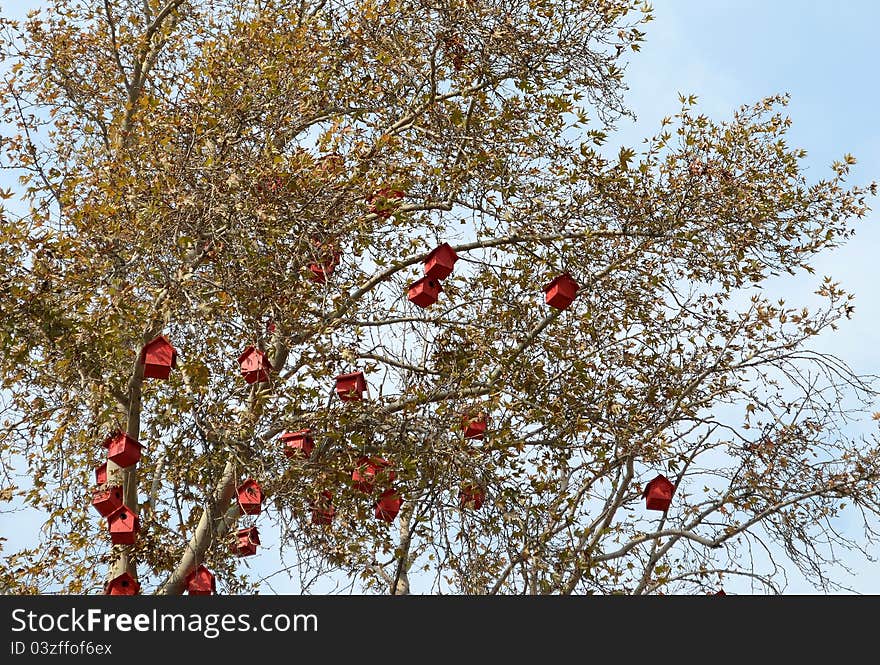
x=439 y=262
x=424 y=292
x=158 y=358
x=250 y=497
x=658 y=493
x=372 y=470
x=720 y=592
x=384 y=201
x=300 y=443
x=246 y=541
x=325 y=266
x=200 y=582
x=122 y=450
x=101 y=474
x=124 y=526
x=108 y=500
x=122 y=585
x=388 y=505
x=255 y=366
x=561 y=291
x=351 y=387
x=322 y=508
x=471 y=496
x=474 y=426
x=320 y=271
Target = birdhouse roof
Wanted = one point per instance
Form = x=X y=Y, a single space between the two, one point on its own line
x=115 y=435
x=303 y=433
x=560 y=278
x=427 y=280
x=160 y=342
x=122 y=579
x=117 y=514
x=445 y=247
x=250 y=482
x=201 y=571
x=250 y=533
x=202 y=575
x=248 y=352
x=253 y=359
x=661 y=481
x=357 y=377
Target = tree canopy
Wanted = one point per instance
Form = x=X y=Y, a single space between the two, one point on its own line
x=248 y=177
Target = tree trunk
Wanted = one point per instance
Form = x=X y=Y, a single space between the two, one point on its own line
x=209 y=529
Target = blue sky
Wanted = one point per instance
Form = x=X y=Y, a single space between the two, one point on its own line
x=728 y=53
x=825 y=55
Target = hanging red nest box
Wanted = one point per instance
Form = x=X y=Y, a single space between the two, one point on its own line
x=255 y=366
x=474 y=426
x=298 y=443
x=371 y=471
x=384 y=202
x=325 y=266
x=424 y=292
x=322 y=508
x=250 y=497
x=246 y=541
x=439 y=262
x=158 y=358
x=388 y=505
x=122 y=585
x=658 y=493
x=320 y=271
x=200 y=582
x=122 y=450
x=124 y=526
x=561 y=291
x=471 y=496
x=351 y=387
x=101 y=474
x=108 y=500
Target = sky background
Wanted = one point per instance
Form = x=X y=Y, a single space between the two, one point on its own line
x=825 y=55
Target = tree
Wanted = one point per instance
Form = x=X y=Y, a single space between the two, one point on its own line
x=272 y=174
